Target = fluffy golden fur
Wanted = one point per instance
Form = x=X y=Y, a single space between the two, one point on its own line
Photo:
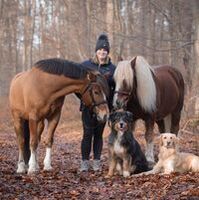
x=171 y=160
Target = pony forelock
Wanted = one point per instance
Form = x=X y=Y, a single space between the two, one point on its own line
x=123 y=72
x=146 y=89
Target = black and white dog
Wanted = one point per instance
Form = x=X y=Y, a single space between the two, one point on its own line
x=124 y=151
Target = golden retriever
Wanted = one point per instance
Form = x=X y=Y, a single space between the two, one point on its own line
x=171 y=160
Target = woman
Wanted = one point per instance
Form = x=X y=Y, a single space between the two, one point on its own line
x=92 y=129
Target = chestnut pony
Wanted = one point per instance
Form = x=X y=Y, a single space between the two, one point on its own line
x=151 y=94
x=38 y=94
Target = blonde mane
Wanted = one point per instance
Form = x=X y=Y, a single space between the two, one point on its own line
x=123 y=72
x=146 y=89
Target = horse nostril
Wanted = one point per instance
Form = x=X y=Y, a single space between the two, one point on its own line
x=118 y=104
x=105 y=118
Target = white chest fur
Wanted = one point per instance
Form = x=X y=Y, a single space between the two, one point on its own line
x=118 y=149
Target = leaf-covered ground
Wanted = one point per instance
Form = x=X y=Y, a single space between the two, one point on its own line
x=65 y=181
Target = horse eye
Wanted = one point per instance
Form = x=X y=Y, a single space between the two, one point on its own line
x=96 y=92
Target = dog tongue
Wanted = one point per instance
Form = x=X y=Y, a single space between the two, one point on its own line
x=122 y=129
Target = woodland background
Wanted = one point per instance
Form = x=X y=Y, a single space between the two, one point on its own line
x=164 y=32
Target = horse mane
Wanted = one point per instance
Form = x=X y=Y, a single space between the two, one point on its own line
x=63 y=67
x=146 y=88
x=123 y=72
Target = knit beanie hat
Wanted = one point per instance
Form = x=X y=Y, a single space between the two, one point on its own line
x=102 y=43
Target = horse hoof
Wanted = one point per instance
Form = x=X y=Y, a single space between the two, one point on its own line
x=32 y=170
x=150 y=160
x=126 y=174
x=48 y=168
x=21 y=168
x=21 y=171
x=151 y=163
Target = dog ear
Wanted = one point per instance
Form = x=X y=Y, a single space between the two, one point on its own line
x=109 y=121
x=129 y=115
x=159 y=139
x=111 y=118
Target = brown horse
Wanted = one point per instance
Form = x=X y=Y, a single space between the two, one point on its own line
x=38 y=94
x=151 y=94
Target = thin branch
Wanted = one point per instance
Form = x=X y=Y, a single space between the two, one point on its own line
x=158 y=8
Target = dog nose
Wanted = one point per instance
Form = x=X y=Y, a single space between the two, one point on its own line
x=121 y=125
x=168 y=143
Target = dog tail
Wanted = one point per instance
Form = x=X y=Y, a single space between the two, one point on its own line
x=195 y=164
x=142 y=166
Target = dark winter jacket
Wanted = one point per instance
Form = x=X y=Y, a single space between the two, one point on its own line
x=106 y=69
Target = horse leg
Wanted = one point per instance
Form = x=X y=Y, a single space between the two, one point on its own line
x=175 y=121
x=52 y=124
x=34 y=140
x=167 y=123
x=161 y=127
x=18 y=126
x=40 y=129
x=149 y=137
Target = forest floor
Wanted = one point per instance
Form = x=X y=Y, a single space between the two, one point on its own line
x=66 y=182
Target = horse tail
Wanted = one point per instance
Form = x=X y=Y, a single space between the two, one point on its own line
x=26 y=134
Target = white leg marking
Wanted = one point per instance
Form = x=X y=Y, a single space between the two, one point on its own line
x=21 y=167
x=126 y=173
x=33 y=165
x=47 y=160
x=167 y=124
x=21 y=164
x=149 y=152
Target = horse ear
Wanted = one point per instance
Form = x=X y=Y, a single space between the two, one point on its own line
x=120 y=58
x=91 y=76
x=133 y=61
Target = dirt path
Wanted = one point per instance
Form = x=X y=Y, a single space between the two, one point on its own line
x=65 y=182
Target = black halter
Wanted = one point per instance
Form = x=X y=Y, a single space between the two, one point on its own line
x=89 y=88
x=123 y=93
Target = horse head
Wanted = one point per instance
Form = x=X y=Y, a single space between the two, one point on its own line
x=123 y=77
x=121 y=97
x=95 y=94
